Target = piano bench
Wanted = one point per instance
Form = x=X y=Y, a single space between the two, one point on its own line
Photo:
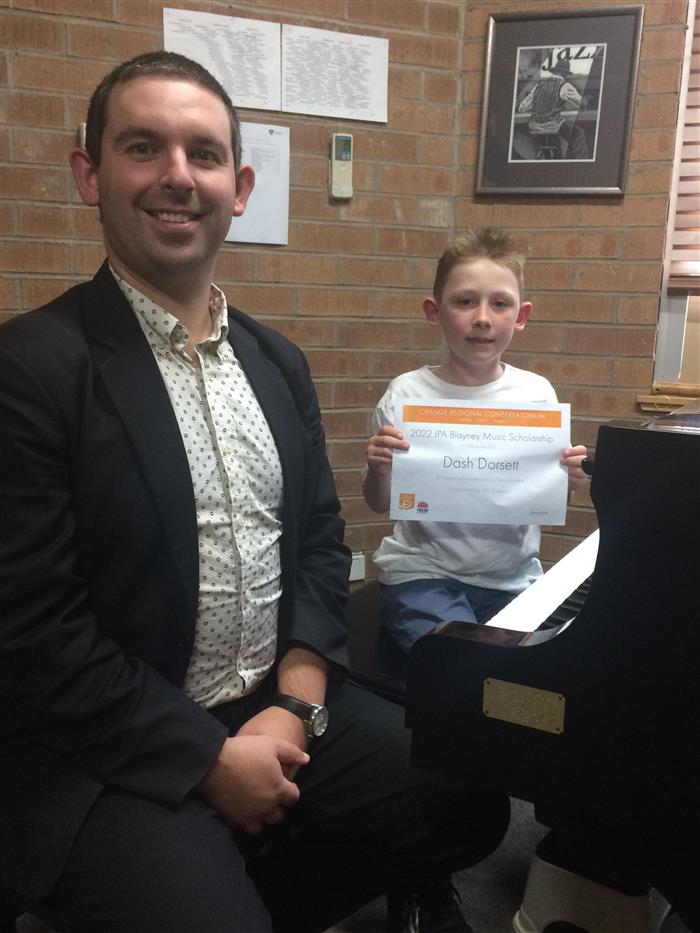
x=376 y=663
x=555 y=895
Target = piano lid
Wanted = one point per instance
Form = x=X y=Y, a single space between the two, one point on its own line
x=685 y=420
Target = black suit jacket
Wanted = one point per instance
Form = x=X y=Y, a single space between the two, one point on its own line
x=99 y=565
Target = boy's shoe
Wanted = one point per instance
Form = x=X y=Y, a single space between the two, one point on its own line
x=431 y=907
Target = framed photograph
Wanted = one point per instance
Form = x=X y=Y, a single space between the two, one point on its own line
x=558 y=102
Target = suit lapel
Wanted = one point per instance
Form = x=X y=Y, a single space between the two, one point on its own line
x=133 y=381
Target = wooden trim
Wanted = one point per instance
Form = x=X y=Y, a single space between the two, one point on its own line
x=687 y=390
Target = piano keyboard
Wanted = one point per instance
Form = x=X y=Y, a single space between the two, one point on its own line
x=556 y=596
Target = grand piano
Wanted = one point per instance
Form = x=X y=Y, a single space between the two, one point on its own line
x=594 y=715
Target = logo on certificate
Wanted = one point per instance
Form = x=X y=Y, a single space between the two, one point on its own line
x=422 y=507
x=407 y=500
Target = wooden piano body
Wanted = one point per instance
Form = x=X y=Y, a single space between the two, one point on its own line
x=597 y=722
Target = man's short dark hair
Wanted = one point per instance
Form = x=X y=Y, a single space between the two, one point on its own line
x=154 y=64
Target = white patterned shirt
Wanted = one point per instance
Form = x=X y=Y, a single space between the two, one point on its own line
x=237 y=483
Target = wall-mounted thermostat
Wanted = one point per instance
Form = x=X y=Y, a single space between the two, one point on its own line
x=340 y=166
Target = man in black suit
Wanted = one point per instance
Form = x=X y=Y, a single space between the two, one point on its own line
x=178 y=750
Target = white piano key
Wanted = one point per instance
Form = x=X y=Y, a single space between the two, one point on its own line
x=535 y=604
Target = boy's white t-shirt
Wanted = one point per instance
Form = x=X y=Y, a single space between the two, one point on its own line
x=501 y=557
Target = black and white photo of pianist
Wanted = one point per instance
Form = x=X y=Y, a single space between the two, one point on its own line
x=556 y=103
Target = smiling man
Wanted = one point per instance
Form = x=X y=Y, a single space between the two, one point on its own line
x=179 y=750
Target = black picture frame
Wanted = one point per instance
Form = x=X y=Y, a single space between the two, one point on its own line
x=558 y=102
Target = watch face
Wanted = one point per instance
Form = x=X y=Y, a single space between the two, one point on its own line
x=319 y=721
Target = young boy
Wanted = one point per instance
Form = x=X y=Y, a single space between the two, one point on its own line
x=431 y=571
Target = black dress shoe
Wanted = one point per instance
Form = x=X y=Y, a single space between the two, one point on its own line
x=431 y=907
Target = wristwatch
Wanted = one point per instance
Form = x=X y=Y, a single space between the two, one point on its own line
x=314 y=717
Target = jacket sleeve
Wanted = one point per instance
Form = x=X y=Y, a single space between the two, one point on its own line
x=63 y=683
x=320 y=587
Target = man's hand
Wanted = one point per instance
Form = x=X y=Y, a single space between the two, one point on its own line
x=247 y=783
x=381 y=447
x=571 y=459
x=281 y=724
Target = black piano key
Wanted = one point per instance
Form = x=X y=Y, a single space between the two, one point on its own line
x=569 y=608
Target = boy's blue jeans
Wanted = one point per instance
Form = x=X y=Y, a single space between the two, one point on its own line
x=411 y=610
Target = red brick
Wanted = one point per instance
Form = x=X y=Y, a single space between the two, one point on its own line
x=395 y=13
x=386 y=146
x=95 y=9
x=26 y=108
x=535 y=214
x=540 y=337
x=569 y=243
x=346 y=424
x=638 y=309
x=663 y=43
x=404 y=82
x=635 y=373
x=649 y=178
x=421 y=118
x=31 y=33
x=659 y=77
x=359 y=394
x=605 y=403
x=59 y=74
x=548 y=274
x=400 y=303
x=611 y=341
x=443 y=17
x=425 y=337
x=375 y=272
x=400 y=242
x=652 y=145
x=38 y=291
x=338 y=363
x=426 y=51
x=34 y=183
x=284 y=267
x=621 y=277
x=304 y=332
x=366 y=335
x=437 y=150
x=336 y=302
x=87 y=258
x=570 y=370
x=632 y=212
x=415 y=179
x=335 y=238
x=34 y=256
x=647 y=243
x=108 y=43
x=565 y=306
x=348 y=482
x=441 y=88
x=257 y=299
x=657 y=111
x=9 y=293
x=664 y=12
x=234 y=265
x=392 y=364
x=41 y=146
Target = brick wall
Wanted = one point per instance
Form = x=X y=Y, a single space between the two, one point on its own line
x=348 y=287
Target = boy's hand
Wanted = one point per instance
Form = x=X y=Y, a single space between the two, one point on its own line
x=571 y=459
x=381 y=447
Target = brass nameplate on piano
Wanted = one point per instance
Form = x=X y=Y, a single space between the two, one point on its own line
x=524 y=706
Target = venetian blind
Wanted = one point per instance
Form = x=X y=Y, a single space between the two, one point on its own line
x=684 y=269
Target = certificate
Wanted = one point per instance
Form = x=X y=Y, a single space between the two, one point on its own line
x=471 y=463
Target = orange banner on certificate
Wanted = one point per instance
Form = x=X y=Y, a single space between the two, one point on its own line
x=504 y=417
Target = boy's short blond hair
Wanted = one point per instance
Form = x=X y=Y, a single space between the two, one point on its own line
x=477 y=243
